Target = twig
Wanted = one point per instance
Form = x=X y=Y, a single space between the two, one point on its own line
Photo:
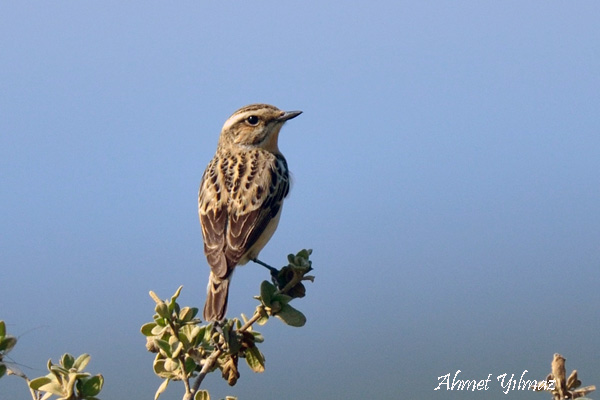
x=250 y=322
x=212 y=360
x=296 y=279
x=208 y=364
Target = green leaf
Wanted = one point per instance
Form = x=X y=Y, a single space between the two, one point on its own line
x=2 y=329
x=177 y=348
x=45 y=384
x=7 y=343
x=159 y=366
x=258 y=337
x=158 y=330
x=255 y=359
x=174 y=308
x=171 y=365
x=173 y=303
x=177 y=293
x=267 y=290
x=164 y=346
x=162 y=310
x=187 y=313
x=303 y=253
x=92 y=386
x=2 y=369
x=161 y=388
x=264 y=317
x=301 y=259
x=281 y=298
x=67 y=361
x=202 y=395
x=186 y=334
x=81 y=362
x=189 y=365
x=58 y=370
x=147 y=329
x=37 y=383
x=207 y=333
x=80 y=375
x=234 y=341
x=160 y=370
x=238 y=323
x=291 y=316
x=197 y=335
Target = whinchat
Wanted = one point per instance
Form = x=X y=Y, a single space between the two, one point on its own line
x=241 y=195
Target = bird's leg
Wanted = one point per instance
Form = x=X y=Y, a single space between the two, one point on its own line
x=274 y=271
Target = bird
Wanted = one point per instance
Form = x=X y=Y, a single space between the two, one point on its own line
x=241 y=196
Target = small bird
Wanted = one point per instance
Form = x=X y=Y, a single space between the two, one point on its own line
x=241 y=195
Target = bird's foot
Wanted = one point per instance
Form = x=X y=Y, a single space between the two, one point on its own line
x=274 y=271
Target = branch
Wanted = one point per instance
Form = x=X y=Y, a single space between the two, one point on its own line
x=212 y=360
x=208 y=365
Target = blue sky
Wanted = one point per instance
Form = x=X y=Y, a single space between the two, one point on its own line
x=446 y=174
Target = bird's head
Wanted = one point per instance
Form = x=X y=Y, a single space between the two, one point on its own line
x=255 y=125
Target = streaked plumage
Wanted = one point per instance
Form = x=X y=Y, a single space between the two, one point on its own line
x=241 y=195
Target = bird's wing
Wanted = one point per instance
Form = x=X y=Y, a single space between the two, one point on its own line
x=235 y=208
x=212 y=210
x=251 y=213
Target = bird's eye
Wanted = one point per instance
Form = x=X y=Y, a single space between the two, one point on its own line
x=252 y=120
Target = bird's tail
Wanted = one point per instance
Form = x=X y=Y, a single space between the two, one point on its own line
x=216 y=298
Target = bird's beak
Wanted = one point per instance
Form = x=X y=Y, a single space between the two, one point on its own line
x=289 y=115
